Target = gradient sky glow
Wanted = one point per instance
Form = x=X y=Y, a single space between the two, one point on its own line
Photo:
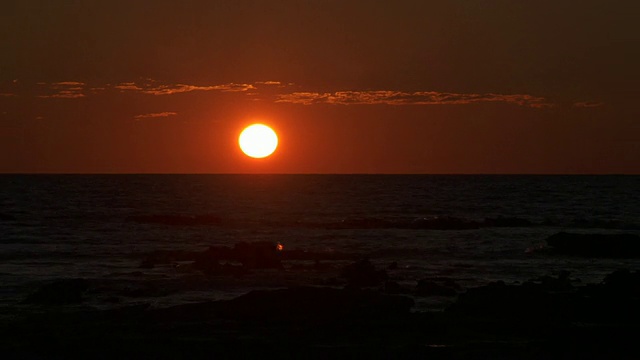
x=350 y=86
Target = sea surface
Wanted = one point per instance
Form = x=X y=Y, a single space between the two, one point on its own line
x=101 y=227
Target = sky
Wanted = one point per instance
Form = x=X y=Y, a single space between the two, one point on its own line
x=433 y=87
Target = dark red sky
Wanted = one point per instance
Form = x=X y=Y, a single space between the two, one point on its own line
x=350 y=86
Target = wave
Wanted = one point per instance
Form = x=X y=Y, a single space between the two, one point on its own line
x=424 y=223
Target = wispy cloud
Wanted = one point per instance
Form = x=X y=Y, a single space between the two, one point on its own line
x=64 y=90
x=75 y=89
x=68 y=83
x=268 y=83
x=63 y=95
x=588 y=104
x=153 y=88
x=407 y=98
x=155 y=115
x=128 y=86
x=283 y=92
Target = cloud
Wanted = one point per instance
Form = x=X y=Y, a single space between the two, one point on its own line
x=68 y=83
x=155 y=115
x=153 y=88
x=128 y=86
x=268 y=83
x=7 y=94
x=281 y=92
x=588 y=104
x=63 y=95
x=65 y=90
x=387 y=97
x=75 y=89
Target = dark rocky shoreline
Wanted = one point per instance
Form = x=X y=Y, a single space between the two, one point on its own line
x=544 y=318
x=362 y=312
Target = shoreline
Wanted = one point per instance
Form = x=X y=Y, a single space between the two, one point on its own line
x=545 y=318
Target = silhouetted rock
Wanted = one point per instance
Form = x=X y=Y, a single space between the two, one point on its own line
x=207 y=266
x=555 y=300
x=7 y=217
x=61 y=292
x=500 y=301
x=603 y=224
x=145 y=291
x=623 y=282
x=214 y=268
x=427 y=287
x=317 y=265
x=596 y=245
x=363 y=273
x=444 y=223
x=543 y=318
x=392 y=287
x=548 y=283
x=163 y=257
x=254 y=255
x=258 y=255
x=315 y=304
x=506 y=222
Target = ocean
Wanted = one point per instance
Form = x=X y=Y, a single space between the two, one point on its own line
x=473 y=229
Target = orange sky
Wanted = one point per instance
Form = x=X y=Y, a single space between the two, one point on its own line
x=350 y=86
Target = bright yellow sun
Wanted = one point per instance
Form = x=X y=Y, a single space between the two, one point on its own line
x=258 y=141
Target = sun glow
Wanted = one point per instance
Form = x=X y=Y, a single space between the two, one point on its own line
x=258 y=141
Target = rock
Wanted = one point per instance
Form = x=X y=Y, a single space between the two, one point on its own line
x=252 y=255
x=7 y=217
x=214 y=268
x=500 y=301
x=506 y=222
x=554 y=300
x=603 y=224
x=362 y=274
x=258 y=255
x=301 y=304
x=317 y=265
x=392 y=287
x=444 y=223
x=596 y=245
x=145 y=291
x=163 y=257
x=147 y=263
x=426 y=287
x=255 y=255
x=61 y=292
x=615 y=300
x=623 y=282
x=549 y=283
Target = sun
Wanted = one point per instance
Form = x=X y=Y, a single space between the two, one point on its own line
x=258 y=141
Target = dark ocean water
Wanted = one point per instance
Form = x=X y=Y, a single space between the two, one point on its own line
x=100 y=227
